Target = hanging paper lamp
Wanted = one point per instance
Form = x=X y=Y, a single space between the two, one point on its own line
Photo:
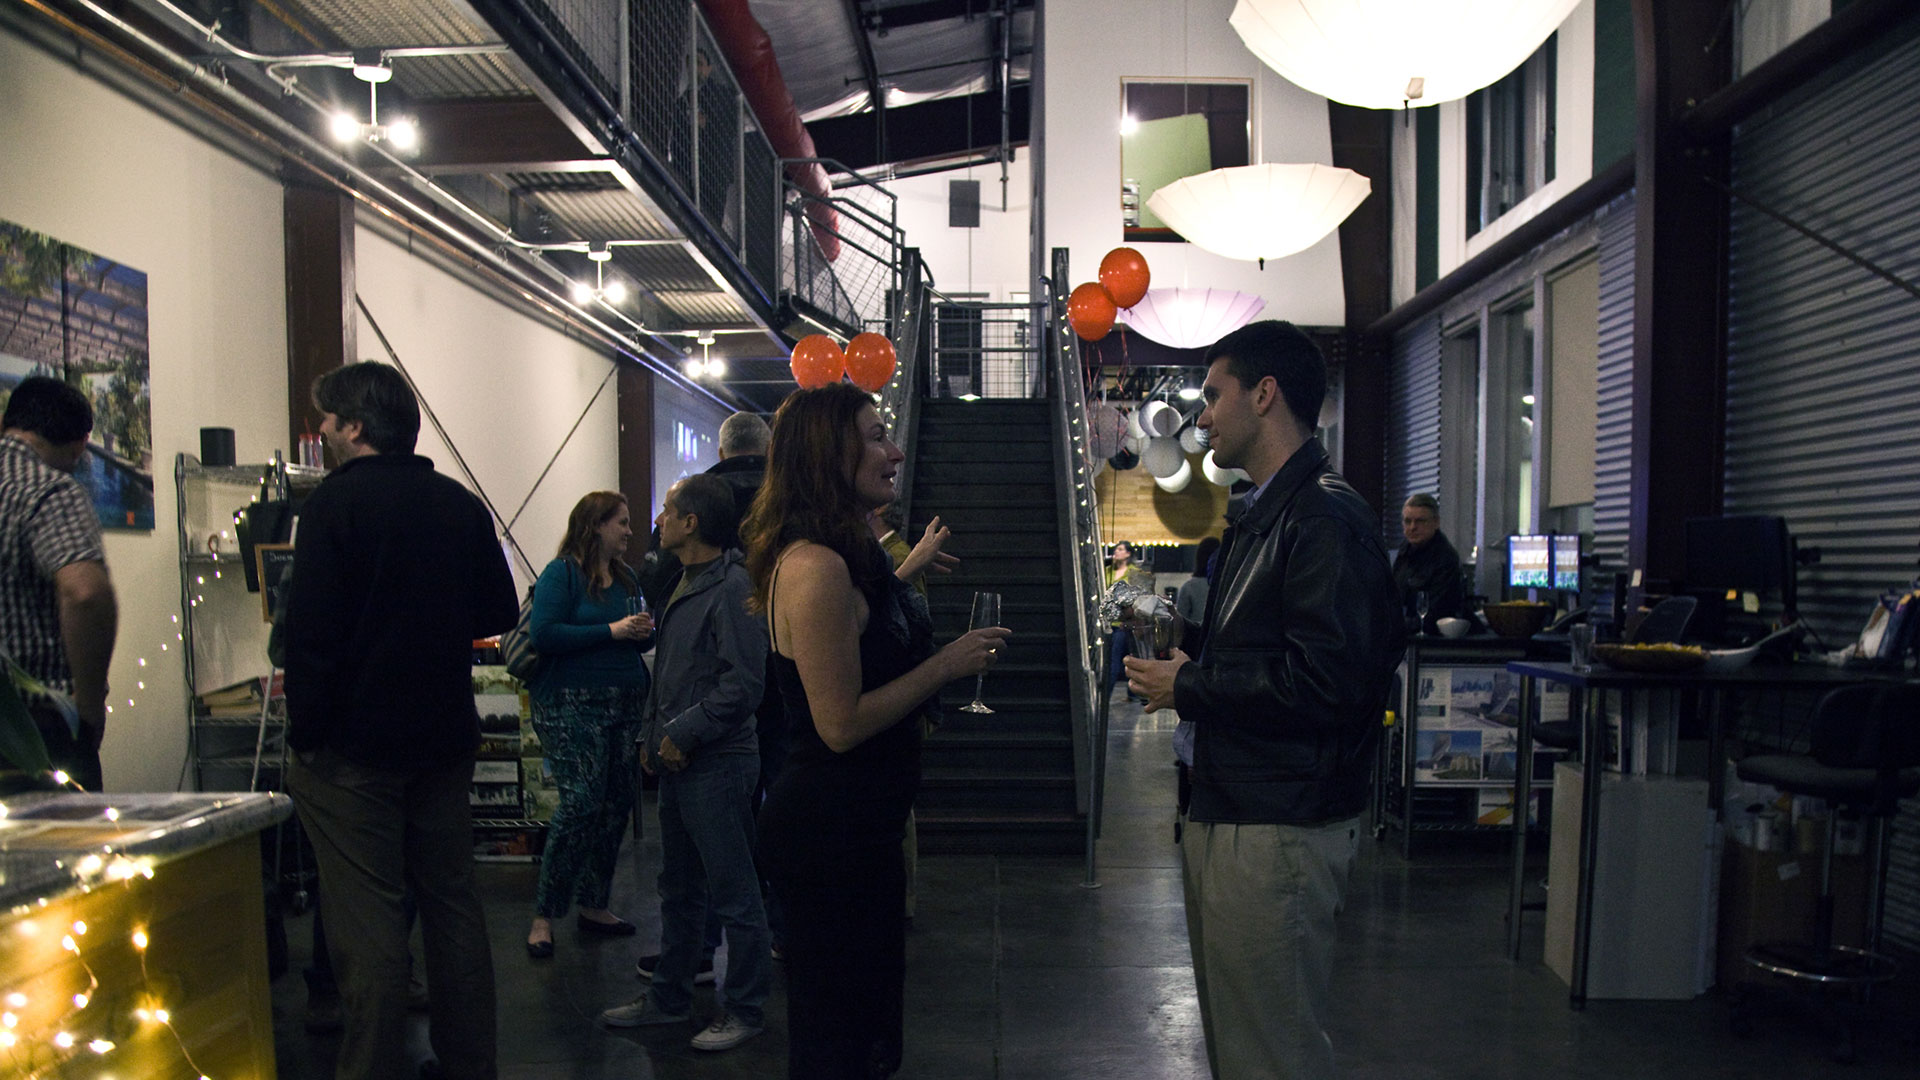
x=1217 y=475
x=1105 y=428
x=1134 y=428
x=1260 y=212
x=1191 y=318
x=1162 y=457
x=1159 y=418
x=1178 y=481
x=1386 y=54
x=1193 y=440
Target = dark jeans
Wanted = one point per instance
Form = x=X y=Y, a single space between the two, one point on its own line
x=706 y=857
x=72 y=756
x=378 y=833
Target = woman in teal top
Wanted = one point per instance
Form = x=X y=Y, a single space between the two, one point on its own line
x=590 y=626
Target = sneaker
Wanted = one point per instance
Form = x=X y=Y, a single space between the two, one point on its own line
x=725 y=1033
x=645 y=965
x=640 y=1012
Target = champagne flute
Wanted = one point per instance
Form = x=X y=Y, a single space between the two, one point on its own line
x=1420 y=604
x=986 y=612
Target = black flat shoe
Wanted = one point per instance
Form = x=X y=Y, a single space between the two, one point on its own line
x=540 y=950
x=616 y=928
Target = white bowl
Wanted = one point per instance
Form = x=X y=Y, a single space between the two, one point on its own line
x=1724 y=660
x=1453 y=628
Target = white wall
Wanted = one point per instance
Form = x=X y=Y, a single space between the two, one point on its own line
x=1767 y=26
x=93 y=168
x=506 y=388
x=1094 y=44
x=991 y=259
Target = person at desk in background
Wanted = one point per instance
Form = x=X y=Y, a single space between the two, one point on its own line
x=1427 y=563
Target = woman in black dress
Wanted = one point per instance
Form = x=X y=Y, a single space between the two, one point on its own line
x=856 y=665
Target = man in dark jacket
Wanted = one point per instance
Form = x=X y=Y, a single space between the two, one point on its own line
x=1303 y=633
x=396 y=571
x=1427 y=563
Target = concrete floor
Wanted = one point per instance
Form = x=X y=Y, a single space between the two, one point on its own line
x=1017 y=971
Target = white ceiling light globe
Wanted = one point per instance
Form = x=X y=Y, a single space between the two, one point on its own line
x=1162 y=456
x=1386 y=54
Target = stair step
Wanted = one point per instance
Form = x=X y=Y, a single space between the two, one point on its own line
x=999 y=471
x=1002 y=792
x=991 y=753
x=949 y=831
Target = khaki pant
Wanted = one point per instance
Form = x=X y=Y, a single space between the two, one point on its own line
x=375 y=832
x=1261 y=901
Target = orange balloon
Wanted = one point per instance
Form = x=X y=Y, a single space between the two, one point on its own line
x=870 y=361
x=1124 y=273
x=1090 y=311
x=817 y=361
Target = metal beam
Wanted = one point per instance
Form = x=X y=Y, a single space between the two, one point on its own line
x=870 y=71
x=884 y=17
x=929 y=130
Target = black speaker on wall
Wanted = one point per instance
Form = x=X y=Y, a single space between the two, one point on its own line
x=963 y=204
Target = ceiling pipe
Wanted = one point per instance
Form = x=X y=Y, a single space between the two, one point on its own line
x=749 y=52
x=287 y=138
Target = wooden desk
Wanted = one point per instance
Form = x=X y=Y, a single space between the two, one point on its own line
x=1600 y=677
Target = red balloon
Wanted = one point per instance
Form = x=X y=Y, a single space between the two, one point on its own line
x=1090 y=311
x=1125 y=275
x=817 y=361
x=870 y=361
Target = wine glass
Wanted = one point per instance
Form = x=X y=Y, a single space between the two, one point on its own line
x=986 y=612
x=1420 y=604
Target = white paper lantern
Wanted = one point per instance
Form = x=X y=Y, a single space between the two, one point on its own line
x=1193 y=440
x=1134 y=444
x=1191 y=318
x=1162 y=456
x=1385 y=54
x=1105 y=429
x=1178 y=481
x=1159 y=418
x=1135 y=430
x=1217 y=475
x=1260 y=211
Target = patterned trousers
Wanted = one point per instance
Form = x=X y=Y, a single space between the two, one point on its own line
x=588 y=736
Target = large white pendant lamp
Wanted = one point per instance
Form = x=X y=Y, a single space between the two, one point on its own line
x=1386 y=54
x=1260 y=211
x=1191 y=318
x=1177 y=482
x=1158 y=418
x=1163 y=456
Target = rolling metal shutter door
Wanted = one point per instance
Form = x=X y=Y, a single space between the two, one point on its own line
x=1614 y=407
x=1823 y=370
x=1413 y=422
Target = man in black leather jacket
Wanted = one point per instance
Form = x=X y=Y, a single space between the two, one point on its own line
x=1303 y=634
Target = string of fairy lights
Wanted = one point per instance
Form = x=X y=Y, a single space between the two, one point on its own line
x=86 y=1021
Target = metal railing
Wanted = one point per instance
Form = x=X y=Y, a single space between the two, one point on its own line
x=987 y=351
x=840 y=260
x=900 y=398
x=1080 y=553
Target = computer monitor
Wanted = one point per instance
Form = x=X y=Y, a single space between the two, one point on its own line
x=1566 y=562
x=1530 y=561
x=1749 y=552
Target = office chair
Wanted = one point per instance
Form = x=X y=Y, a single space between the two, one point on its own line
x=1865 y=758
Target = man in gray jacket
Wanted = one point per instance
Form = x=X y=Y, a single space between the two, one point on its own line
x=710 y=661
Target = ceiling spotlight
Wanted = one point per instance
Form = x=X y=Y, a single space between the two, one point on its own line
x=344 y=127
x=695 y=368
x=371 y=67
x=716 y=369
x=403 y=133
x=614 y=292
x=609 y=292
x=1189 y=393
x=582 y=292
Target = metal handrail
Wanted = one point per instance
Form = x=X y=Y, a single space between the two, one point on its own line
x=900 y=398
x=1080 y=556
